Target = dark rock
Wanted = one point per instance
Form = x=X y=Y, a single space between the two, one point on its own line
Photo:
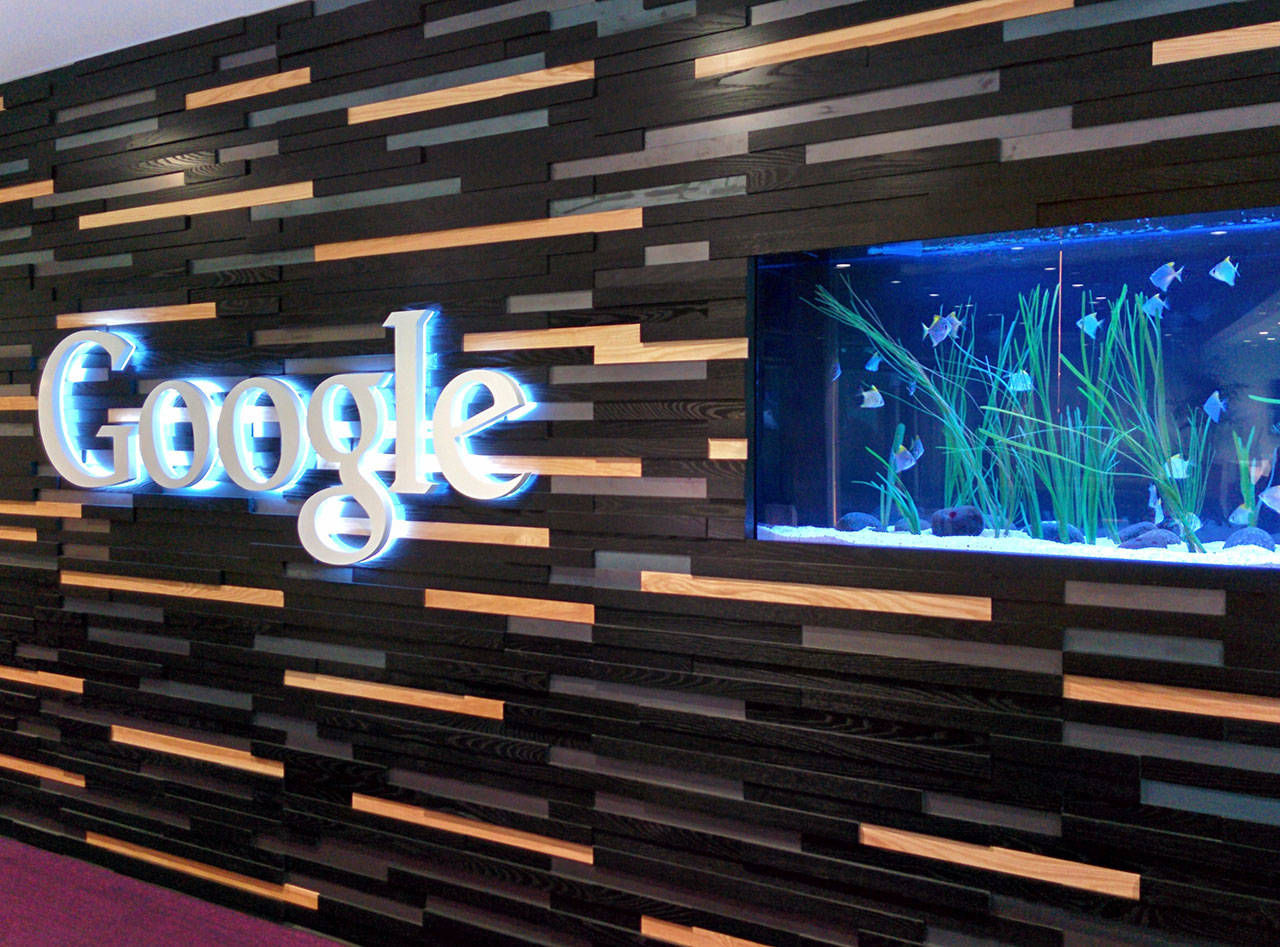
x=852 y=522
x=1154 y=538
x=957 y=521
x=1136 y=529
x=902 y=526
x=1049 y=531
x=1250 y=536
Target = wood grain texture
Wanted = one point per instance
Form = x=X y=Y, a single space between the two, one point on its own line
x=561 y=466
x=238 y=594
x=40 y=508
x=600 y=222
x=18 y=534
x=1184 y=700
x=197 y=750
x=395 y=694
x=726 y=448
x=248 y=88
x=1117 y=884
x=235 y=200
x=966 y=607
x=895 y=29
x=672 y=933
x=289 y=894
x=473 y=92
x=144 y=316
x=22 y=192
x=582 y=612
x=18 y=403
x=611 y=345
x=16 y=765
x=445 y=822
x=1241 y=39
x=57 y=682
x=531 y=536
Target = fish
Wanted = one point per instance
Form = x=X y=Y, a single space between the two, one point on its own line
x=902 y=459
x=1177 y=468
x=1259 y=468
x=1240 y=516
x=1165 y=275
x=911 y=389
x=917 y=448
x=1192 y=523
x=937 y=330
x=1275 y=427
x=1089 y=325
x=871 y=398
x=836 y=370
x=1271 y=497
x=955 y=324
x=1226 y=271
x=1215 y=407
x=873 y=363
x=770 y=421
x=1020 y=381
x=1153 y=501
x=1155 y=307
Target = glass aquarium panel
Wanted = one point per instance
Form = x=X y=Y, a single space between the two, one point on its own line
x=1107 y=389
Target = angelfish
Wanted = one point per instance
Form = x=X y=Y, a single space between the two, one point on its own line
x=1271 y=497
x=1177 y=468
x=1226 y=271
x=904 y=458
x=1165 y=275
x=1020 y=381
x=1155 y=307
x=937 y=330
x=873 y=363
x=1240 y=516
x=1153 y=501
x=871 y=398
x=1089 y=325
x=1214 y=406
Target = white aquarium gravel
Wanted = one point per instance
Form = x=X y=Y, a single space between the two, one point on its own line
x=1019 y=543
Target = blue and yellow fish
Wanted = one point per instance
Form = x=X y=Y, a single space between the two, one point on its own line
x=1089 y=325
x=1215 y=407
x=871 y=398
x=1155 y=307
x=1165 y=275
x=1226 y=271
x=937 y=330
x=1020 y=381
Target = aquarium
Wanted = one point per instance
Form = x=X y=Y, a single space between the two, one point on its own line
x=1107 y=389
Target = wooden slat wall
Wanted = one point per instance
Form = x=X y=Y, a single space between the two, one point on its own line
x=596 y=714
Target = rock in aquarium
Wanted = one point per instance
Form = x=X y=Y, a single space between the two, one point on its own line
x=1250 y=536
x=1151 y=539
x=852 y=522
x=1136 y=529
x=1049 y=531
x=957 y=521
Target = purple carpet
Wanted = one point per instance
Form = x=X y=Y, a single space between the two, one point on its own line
x=49 y=900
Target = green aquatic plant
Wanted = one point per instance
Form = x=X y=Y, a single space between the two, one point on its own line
x=893 y=492
x=1248 y=488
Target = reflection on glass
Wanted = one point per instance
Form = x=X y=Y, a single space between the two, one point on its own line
x=1098 y=390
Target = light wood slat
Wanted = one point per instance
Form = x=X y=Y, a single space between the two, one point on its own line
x=1241 y=39
x=582 y=612
x=1 y=103
x=395 y=694
x=970 y=607
x=128 y=317
x=18 y=403
x=726 y=448
x=39 y=769
x=248 y=88
x=197 y=750
x=1185 y=700
x=659 y=929
x=236 y=200
x=239 y=594
x=290 y=894
x=631 y=218
x=40 y=508
x=472 y=828
x=473 y=92
x=1060 y=871
x=610 y=345
x=18 y=534
x=911 y=26
x=563 y=466
x=536 y=536
x=57 y=682
x=21 y=192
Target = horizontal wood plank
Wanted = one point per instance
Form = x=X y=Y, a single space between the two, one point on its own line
x=630 y=218
x=530 y=536
x=582 y=612
x=895 y=29
x=672 y=933
x=1059 y=871
x=18 y=403
x=472 y=828
x=611 y=345
x=238 y=594
x=235 y=200
x=57 y=682
x=473 y=92
x=968 y=607
x=1184 y=700
x=22 y=192
x=49 y=508
x=726 y=448
x=129 y=317
x=395 y=694
x=18 y=534
x=248 y=88
x=16 y=765
x=287 y=893
x=1241 y=39
x=197 y=750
